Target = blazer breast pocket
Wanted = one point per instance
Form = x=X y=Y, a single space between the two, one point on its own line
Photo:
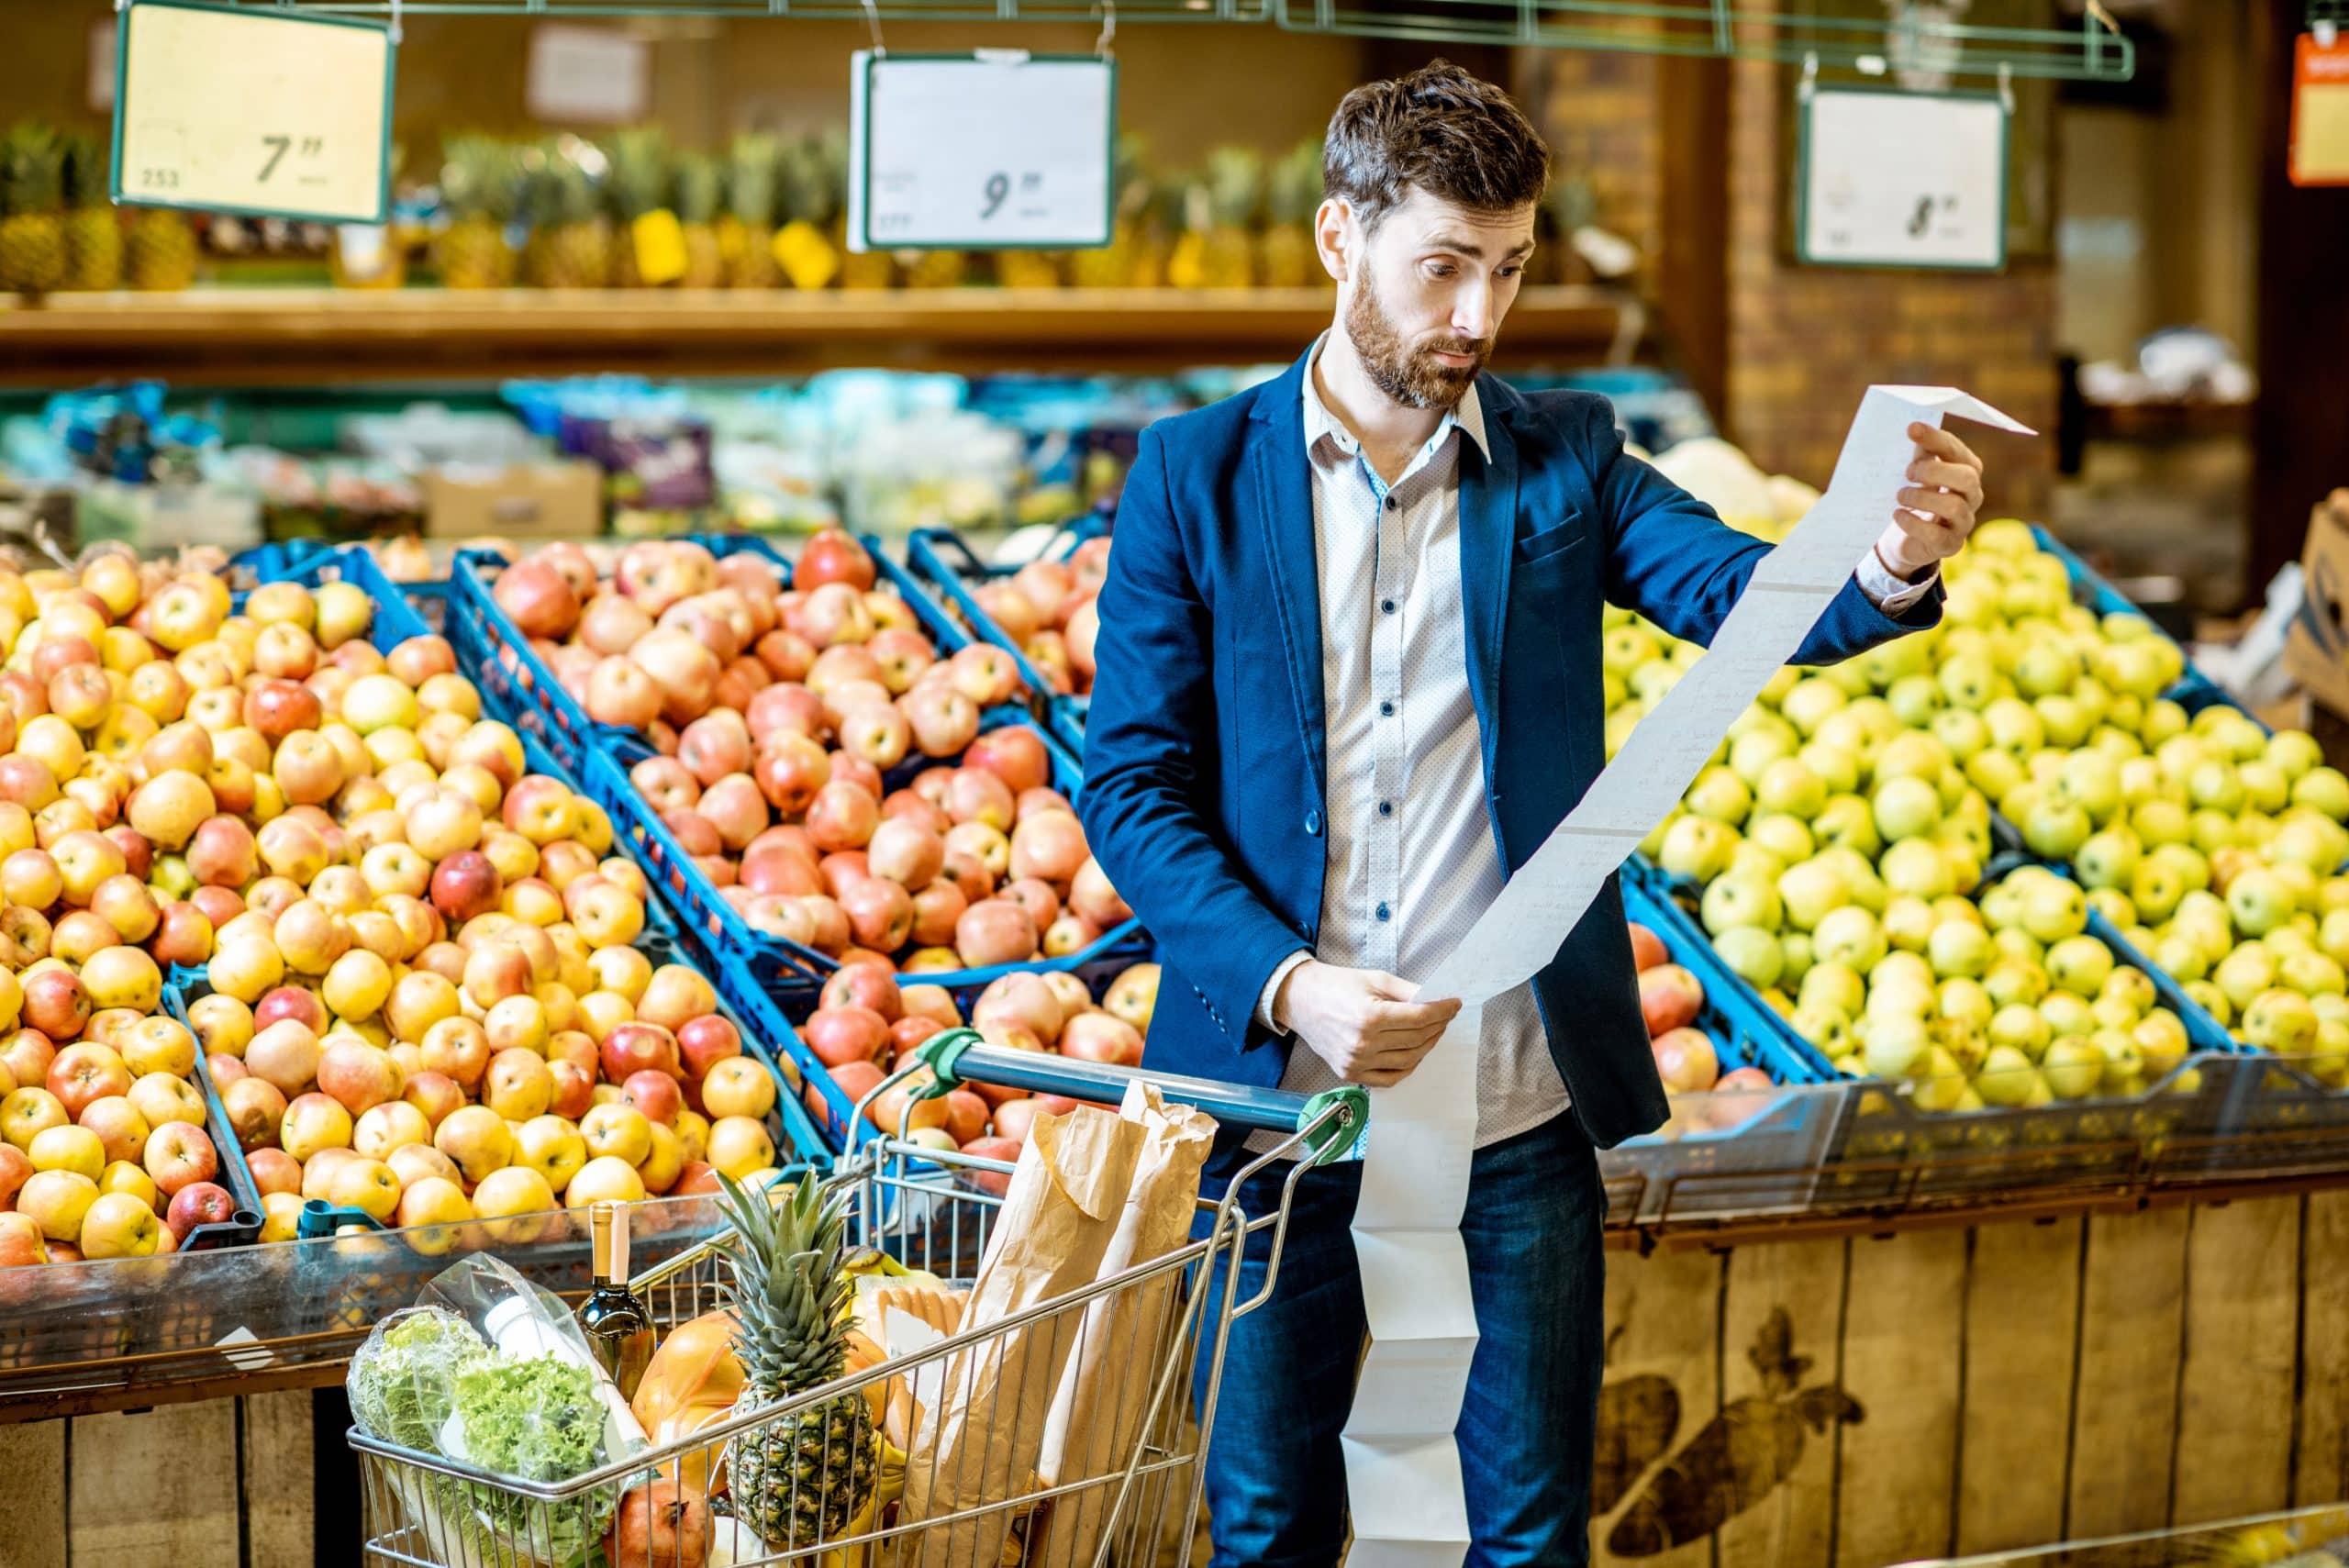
x=1554 y=540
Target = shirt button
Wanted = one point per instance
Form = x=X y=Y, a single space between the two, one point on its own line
x=1382 y=911
x=1390 y=503
x=1313 y=822
x=1386 y=808
x=1387 y=605
x=1386 y=710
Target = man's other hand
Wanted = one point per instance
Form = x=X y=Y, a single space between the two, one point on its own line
x=1362 y=1022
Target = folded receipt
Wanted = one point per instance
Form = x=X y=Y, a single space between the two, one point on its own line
x=1402 y=1464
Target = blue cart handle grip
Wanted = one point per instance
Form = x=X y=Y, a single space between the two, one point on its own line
x=958 y=1056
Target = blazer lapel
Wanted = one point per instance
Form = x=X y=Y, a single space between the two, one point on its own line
x=1279 y=481
x=1487 y=532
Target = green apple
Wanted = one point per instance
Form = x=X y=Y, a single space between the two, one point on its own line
x=2066 y=1014
x=2265 y=785
x=2160 y=1039
x=2108 y=859
x=1994 y=772
x=2063 y=719
x=1849 y=936
x=1625 y=648
x=1960 y=731
x=2304 y=839
x=2328 y=1058
x=1897 y=1046
x=1751 y=953
x=1738 y=898
x=2092 y=781
x=1867 y=888
x=2141 y=781
x=2114 y=906
x=2259 y=900
x=2113 y=1012
x=1788 y=838
x=2313 y=974
x=1903 y=969
x=2006 y=1076
x=2181 y=957
x=1751 y=754
x=2055 y=828
x=2128 y=713
x=1610 y=685
x=1903 y=807
x=1835 y=985
x=2324 y=790
x=1786 y=785
x=2046 y=766
x=1959 y=948
x=2244 y=973
x=2333 y=935
x=1698 y=848
x=1809 y=892
x=1914 y=699
x=1847 y=731
x=1917 y=867
x=1908 y=923
x=1809 y=701
x=2161 y=821
x=2163 y=721
x=1720 y=794
x=2213 y=830
x=1967 y=681
x=2281 y=1021
x=2013 y=941
x=2015 y=726
x=2018 y=1026
x=1829 y=1029
x=2205 y=994
x=2215 y=785
x=2002 y=902
x=1848 y=821
x=2047 y=667
x=2079 y=964
x=2332 y=893
x=1911 y=754
x=1835 y=768
x=2075 y=1068
x=2180 y=756
x=1889 y=661
x=1963 y=1000
x=2192 y=865
x=1752 y=859
x=1619 y=725
x=2054 y=908
x=1650 y=682
x=2285 y=940
x=2295 y=751
x=2132 y=986
x=1794 y=960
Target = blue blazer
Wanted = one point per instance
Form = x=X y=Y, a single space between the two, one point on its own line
x=1203 y=750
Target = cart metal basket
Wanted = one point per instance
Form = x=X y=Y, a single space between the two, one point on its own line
x=1009 y=1474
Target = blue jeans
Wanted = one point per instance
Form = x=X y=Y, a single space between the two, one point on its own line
x=1276 y=1478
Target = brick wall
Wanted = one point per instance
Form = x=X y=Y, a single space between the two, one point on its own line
x=1804 y=341
x=1598 y=111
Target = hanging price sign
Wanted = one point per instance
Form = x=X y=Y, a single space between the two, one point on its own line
x=1892 y=179
x=980 y=152
x=272 y=114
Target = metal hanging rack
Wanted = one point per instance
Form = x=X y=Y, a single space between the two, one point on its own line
x=2095 y=50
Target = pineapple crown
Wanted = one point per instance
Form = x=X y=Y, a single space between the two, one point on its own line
x=754 y=170
x=85 y=172
x=815 y=179
x=790 y=1293
x=1295 y=187
x=32 y=162
x=700 y=187
x=555 y=188
x=480 y=175
x=640 y=164
x=1235 y=185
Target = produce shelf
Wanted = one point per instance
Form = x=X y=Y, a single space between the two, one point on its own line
x=291 y=336
x=947 y=564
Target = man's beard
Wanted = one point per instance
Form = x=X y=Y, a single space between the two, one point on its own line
x=1410 y=374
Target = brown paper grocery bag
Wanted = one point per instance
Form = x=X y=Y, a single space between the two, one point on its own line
x=1068 y=1195
x=1104 y=1397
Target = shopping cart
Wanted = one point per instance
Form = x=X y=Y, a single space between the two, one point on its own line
x=1011 y=1475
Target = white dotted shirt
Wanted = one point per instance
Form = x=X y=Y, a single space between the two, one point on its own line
x=1411 y=858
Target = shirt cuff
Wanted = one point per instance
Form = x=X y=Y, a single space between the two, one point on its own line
x=1888 y=593
x=1272 y=988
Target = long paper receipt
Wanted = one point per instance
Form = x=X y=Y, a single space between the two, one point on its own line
x=1403 y=1474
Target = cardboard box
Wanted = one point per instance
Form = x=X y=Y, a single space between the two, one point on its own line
x=561 y=499
x=2316 y=649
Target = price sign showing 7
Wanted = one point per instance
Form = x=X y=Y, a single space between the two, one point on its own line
x=310 y=147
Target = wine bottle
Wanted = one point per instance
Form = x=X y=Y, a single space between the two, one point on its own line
x=618 y=1327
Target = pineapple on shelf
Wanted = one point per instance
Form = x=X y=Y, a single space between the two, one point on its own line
x=859 y=269
x=93 y=232
x=571 y=245
x=1286 y=257
x=699 y=188
x=1181 y=217
x=934 y=269
x=479 y=184
x=746 y=231
x=162 y=250
x=1235 y=198
x=649 y=252
x=811 y=1478
x=32 y=211
x=1113 y=265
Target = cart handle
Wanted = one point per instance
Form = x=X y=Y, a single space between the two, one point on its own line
x=955 y=1056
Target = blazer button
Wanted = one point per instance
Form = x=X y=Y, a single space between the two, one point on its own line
x=1313 y=823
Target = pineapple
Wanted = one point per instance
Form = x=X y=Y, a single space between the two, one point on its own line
x=1235 y=198
x=478 y=184
x=859 y=269
x=571 y=246
x=32 y=198
x=807 y=1479
x=162 y=250
x=93 y=233
x=1113 y=265
x=1284 y=257
x=699 y=186
x=639 y=189
x=1179 y=242
x=746 y=232
x=804 y=248
x=933 y=268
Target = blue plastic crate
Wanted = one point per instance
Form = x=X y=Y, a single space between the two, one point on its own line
x=1746 y=1027
x=944 y=560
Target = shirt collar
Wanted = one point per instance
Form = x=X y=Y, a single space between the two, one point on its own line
x=1467 y=415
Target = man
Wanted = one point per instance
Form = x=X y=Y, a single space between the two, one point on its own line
x=1349 y=680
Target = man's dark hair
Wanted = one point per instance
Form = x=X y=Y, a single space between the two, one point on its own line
x=1440 y=130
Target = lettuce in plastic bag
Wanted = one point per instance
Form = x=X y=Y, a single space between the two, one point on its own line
x=402 y=1382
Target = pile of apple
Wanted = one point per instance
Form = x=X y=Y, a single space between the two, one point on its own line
x=1048 y=608
x=116 y=679
x=867 y=1024
x=775 y=714
x=1670 y=998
